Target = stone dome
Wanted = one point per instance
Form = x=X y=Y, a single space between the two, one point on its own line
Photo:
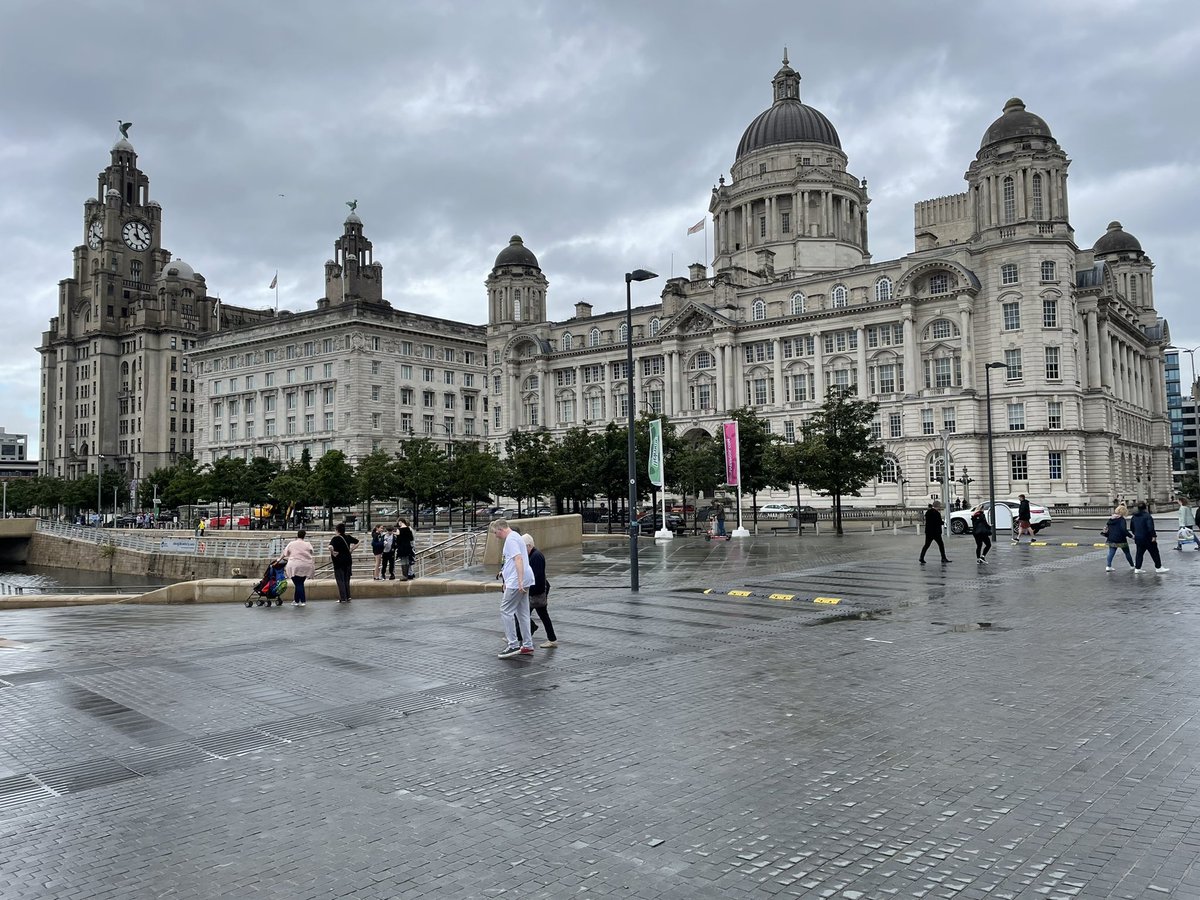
x=787 y=120
x=123 y=144
x=1116 y=240
x=516 y=254
x=177 y=268
x=1015 y=122
x=353 y=219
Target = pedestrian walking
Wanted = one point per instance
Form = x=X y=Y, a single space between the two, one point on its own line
x=514 y=604
x=1116 y=535
x=1024 y=524
x=1146 y=539
x=300 y=566
x=1187 y=526
x=981 y=530
x=377 y=550
x=404 y=548
x=539 y=594
x=341 y=549
x=200 y=526
x=720 y=521
x=389 y=555
x=933 y=530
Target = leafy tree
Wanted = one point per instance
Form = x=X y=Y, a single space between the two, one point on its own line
x=421 y=473
x=754 y=439
x=475 y=475
x=376 y=477
x=20 y=495
x=292 y=487
x=156 y=484
x=333 y=482
x=527 y=463
x=786 y=462
x=114 y=485
x=186 y=485
x=48 y=491
x=260 y=472
x=696 y=468
x=227 y=481
x=612 y=466
x=838 y=454
x=573 y=466
x=80 y=493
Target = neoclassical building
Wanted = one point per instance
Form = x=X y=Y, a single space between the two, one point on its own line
x=141 y=364
x=794 y=304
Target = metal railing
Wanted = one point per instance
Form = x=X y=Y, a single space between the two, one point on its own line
x=459 y=551
x=20 y=590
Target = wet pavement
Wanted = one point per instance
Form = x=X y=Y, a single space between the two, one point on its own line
x=1024 y=729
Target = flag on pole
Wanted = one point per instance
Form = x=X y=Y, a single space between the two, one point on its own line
x=733 y=462
x=274 y=281
x=655 y=467
x=699 y=226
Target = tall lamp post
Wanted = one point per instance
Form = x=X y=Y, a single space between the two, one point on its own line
x=987 y=377
x=946 y=479
x=99 y=479
x=965 y=480
x=631 y=446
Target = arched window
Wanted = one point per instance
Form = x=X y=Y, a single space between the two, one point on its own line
x=517 y=304
x=883 y=290
x=1008 y=274
x=937 y=465
x=623 y=332
x=594 y=337
x=940 y=330
x=566 y=341
x=889 y=472
x=798 y=303
x=1010 y=199
x=1038 y=206
x=530 y=383
x=703 y=360
x=655 y=325
x=939 y=283
x=839 y=296
x=758 y=311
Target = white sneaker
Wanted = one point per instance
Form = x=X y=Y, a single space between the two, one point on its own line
x=1137 y=571
x=1108 y=568
x=1161 y=570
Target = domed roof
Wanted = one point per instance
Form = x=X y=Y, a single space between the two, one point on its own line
x=787 y=120
x=1015 y=122
x=353 y=219
x=516 y=254
x=1116 y=240
x=123 y=144
x=177 y=268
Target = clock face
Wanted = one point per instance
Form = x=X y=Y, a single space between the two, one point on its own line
x=95 y=234
x=136 y=235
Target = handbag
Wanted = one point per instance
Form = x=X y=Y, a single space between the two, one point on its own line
x=540 y=601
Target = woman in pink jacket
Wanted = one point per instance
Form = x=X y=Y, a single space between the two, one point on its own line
x=299 y=556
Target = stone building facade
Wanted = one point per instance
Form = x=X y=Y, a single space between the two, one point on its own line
x=116 y=391
x=794 y=305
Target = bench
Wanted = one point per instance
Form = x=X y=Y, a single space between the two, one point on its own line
x=795 y=525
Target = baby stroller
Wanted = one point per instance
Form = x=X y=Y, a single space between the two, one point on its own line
x=273 y=586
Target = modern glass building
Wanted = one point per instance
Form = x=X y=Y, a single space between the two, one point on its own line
x=1175 y=414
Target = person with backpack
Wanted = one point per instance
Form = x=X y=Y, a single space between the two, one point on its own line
x=1116 y=535
x=377 y=550
x=1146 y=539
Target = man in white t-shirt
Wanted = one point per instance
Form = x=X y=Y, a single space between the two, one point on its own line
x=518 y=578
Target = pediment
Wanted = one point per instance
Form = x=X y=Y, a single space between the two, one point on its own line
x=695 y=318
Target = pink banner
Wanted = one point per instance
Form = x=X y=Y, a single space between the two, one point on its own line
x=733 y=462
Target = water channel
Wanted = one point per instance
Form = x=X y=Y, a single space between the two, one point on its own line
x=20 y=579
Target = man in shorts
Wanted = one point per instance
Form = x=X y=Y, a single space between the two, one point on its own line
x=1024 y=523
x=514 y=604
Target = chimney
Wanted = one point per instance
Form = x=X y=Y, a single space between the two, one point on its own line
x=766 y=264
x=583 y=310
x=697 y=271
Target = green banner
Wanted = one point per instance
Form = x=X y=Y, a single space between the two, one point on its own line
x=656 y=453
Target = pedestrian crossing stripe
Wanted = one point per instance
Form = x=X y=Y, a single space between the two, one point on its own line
x=829 y=600
x=739 y=593
x=781 y=596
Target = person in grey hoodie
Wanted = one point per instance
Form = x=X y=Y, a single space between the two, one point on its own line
x=1146 y=539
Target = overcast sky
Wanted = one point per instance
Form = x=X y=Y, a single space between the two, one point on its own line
x=595 y=130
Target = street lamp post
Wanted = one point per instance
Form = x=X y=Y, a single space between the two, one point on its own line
x=631 y=445
x=987 y=377
x=946 y=479
x=965 y=481
x=99 y=506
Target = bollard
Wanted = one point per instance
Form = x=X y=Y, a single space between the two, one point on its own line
x=872 y=528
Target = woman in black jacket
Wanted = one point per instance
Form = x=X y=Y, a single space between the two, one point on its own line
x=1116 y=534
x=981 y=529
x=404 y=548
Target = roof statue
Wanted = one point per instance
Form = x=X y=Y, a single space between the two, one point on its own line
x=124 y=127
x=353 y=204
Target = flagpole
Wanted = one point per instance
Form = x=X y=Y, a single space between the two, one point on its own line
x=706 y=244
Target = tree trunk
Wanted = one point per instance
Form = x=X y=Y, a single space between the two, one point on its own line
x=837 y=512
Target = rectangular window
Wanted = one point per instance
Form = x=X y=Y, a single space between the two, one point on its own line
x=427 y=399
x=495 y=384
x=887 y=379
x=309 y=398
x=1054 y=415
x=762 y=226
x=1018 y=466
x=250 y=430
x=799 y=388
x=701 y=396
x=593 y=373
x=1012 y=361
x=449 y=401
x=655 y=401
x=270 y=356
x=376 y=420
x=759 y=390
x=269 y=379
x=406 y=396
x=328 y=421
x=327 y=370
x=876 y=428
x=290 y=376
x=309 y=424
x=406 y=423
x=1016 y=416
x=653 y=365
x=789 y=431
x=620 y=370
x=927 y=421
x=1049 y=313
x=406 y=348
x=949 y=421
x=785 y=222
x=895 y=425
x=1047 y=270
x=1055 y=465
x=565 y=410
x=290 y=400
x=308 y=373
x=375 y=392
x=269 y=427
x=942 y=373
x=448 y=377
x=595 y=408
x=1053 y=372
x=427 y=374
x=328 y=395
x=1012 y=316
x=564 y=377
x=406 y=372
x=327 y=345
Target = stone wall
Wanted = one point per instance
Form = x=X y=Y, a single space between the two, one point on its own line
x=63 y=553
x=549 y=533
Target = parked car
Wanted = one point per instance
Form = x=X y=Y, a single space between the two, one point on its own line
x=223 y=522
x=777 y=509
x=653 y=522
x=543 y=511
x=120 y=522
x=1039 y=516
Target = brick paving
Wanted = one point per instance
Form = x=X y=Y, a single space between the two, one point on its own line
x=1025 y=731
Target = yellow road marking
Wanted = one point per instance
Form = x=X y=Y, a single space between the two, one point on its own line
x=1071 y=544
x=1099 y=545
x=708 y=590
x=830 y=600
x=781 y=596
x=1038 y=544
x=739 y=593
